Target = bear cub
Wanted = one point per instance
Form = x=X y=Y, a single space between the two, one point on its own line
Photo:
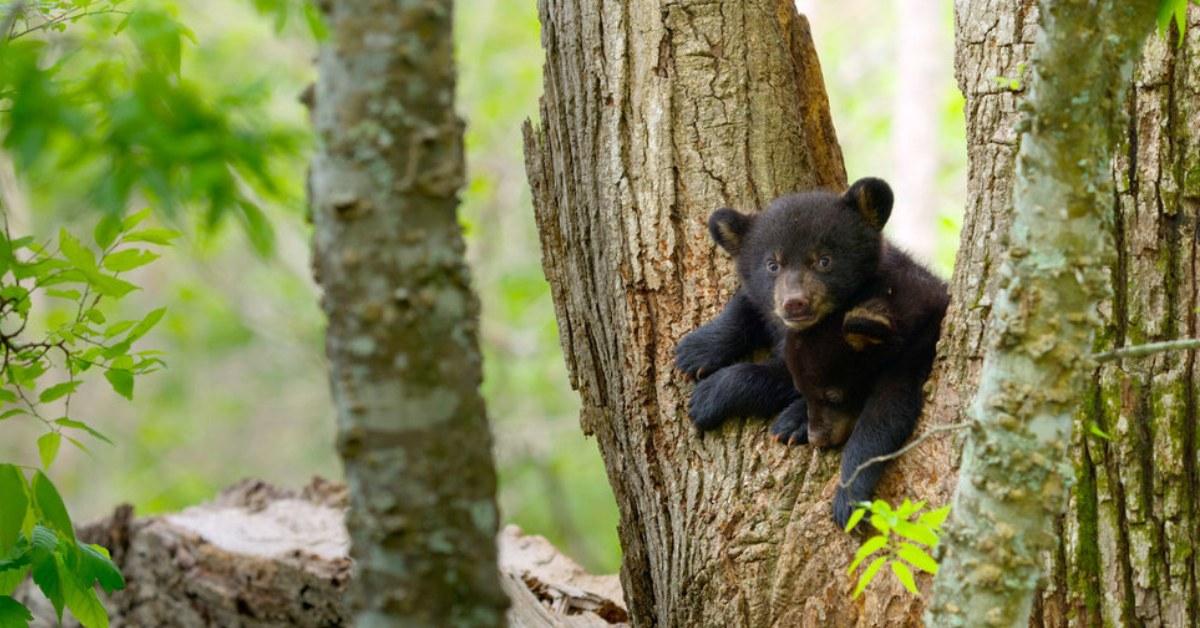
x=851 y=323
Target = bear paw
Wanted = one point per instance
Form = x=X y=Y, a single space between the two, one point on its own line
x=844 y=505
x=709 y=405
x=696 y=356
x=791 y=427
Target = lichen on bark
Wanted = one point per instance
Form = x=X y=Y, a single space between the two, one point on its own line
x=401 y=340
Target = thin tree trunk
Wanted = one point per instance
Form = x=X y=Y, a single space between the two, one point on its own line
x=1016 y=469
x=404 y=360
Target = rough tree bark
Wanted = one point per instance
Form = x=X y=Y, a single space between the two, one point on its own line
x=648 y=124
x=1016 y=470
x=655 y=114
x=401 y=341
x=1124 y=554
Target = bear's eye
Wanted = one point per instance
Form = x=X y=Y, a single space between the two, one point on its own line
x=825 y=262
x=772 y=266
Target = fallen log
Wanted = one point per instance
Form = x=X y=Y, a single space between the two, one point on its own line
x=259 y=556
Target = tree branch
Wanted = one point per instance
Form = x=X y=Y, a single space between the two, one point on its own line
x=1141 y=351
x=937 y=429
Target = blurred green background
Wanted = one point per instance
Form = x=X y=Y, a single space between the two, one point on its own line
x=245 y=394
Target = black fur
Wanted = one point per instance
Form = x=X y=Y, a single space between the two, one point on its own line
x=858 y=319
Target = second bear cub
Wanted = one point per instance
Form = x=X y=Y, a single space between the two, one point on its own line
x=854 y=320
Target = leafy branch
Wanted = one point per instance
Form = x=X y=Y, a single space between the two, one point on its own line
x=906 y=537
x=36 y=537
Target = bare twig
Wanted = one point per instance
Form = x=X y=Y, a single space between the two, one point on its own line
x=57 y=19
x=1140 y=351
x=10 y=20
x=937 y=429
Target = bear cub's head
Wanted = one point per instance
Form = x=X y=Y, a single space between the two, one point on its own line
x=807 y=254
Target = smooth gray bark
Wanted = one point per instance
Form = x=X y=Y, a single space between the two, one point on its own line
x=403 y=354
x=1016 y=471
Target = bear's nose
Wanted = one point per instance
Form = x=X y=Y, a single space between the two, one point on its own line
x=796 y=307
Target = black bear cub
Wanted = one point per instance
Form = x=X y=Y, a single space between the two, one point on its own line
x=852 y=324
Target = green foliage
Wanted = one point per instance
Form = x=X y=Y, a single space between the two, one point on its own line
x=1012 y=84
x=905 y=539
x=77 y=282
x=107 y=107
x=1173 y=11
x=36 y=539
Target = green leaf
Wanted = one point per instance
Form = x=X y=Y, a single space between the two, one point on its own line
x=84 y=603
x=94 y=315
x=22 y=556
x=48 y=444
x=70 y=295
x=117 y=328
x=316 y=25
x=121 y=381
x=868 y=575
x=918 y=532
x=80 y=425
x=855 y=517
x=58 y=391
x=880 y=523
x=153 y=236
x=935 y=518
x=13 y=502
x=7 y=396
x=109 y=286
x=1096 y=431
x=74 y=250
x=50 y=504
x=11 y=579
x=905 y=576
x=134 y=219
x=78 y=445
x=918 y=557
x=907 y=508
x=13 y=614
x=95 y=565
x=870 y=546
x=129 y=259
x=1172 y=11
x=143 y=327
x=8 y=414
x=46 y=576
x=107 y=230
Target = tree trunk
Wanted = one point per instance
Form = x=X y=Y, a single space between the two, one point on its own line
x=1124 y=550
x=654 y=115
x=1127 y=554
x=404 y=359
x=1016 y=470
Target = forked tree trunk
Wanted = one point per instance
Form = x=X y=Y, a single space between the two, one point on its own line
x=403 y=355
x=653 y=116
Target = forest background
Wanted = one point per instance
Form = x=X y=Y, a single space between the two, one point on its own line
x=246 y=390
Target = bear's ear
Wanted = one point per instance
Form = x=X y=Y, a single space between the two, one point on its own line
x=872 y=199
x=729 y=228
